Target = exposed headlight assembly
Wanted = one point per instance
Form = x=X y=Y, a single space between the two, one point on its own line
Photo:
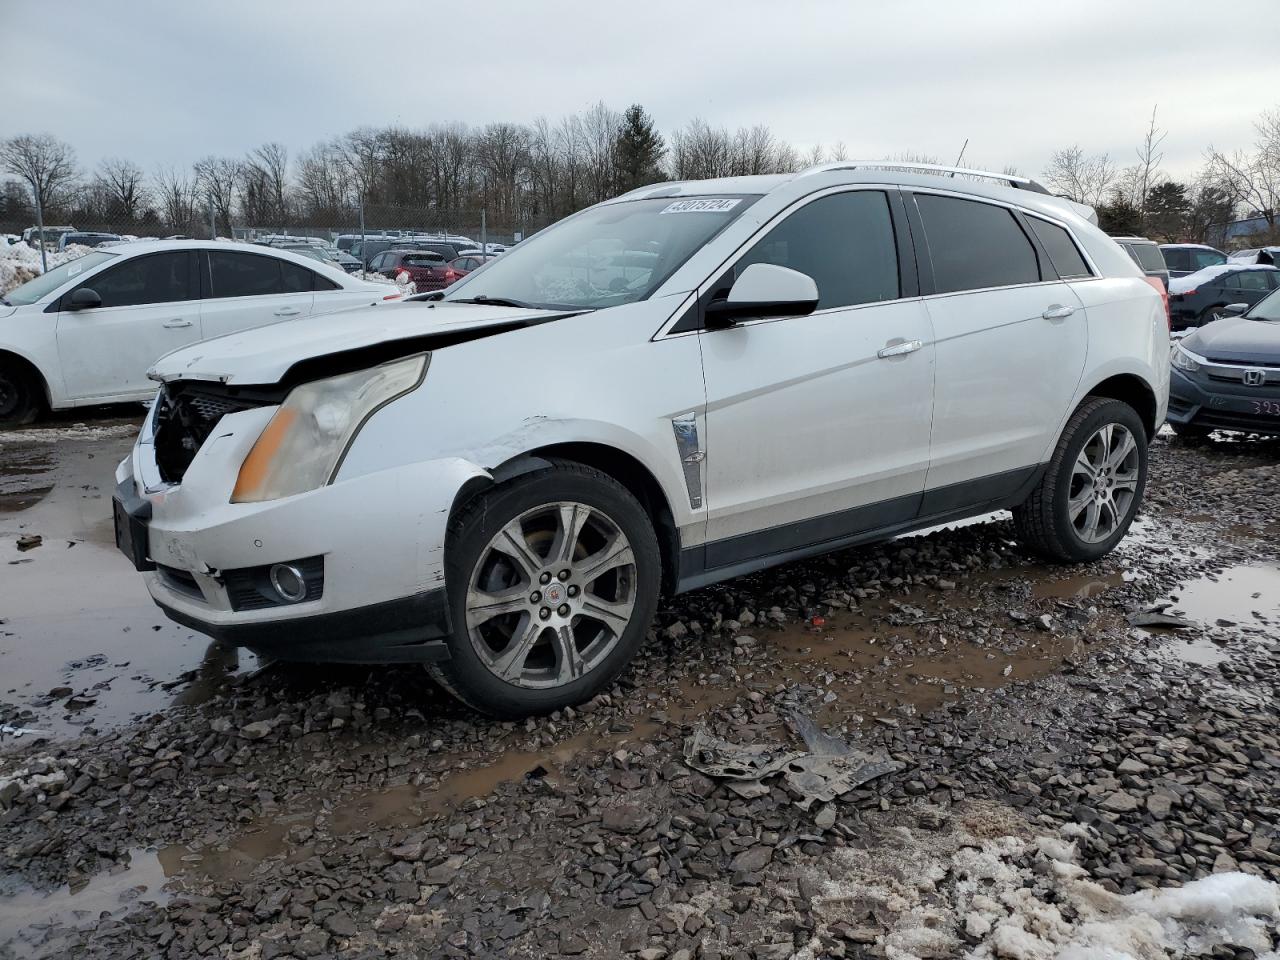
x=303 y=445
x=1183 y=360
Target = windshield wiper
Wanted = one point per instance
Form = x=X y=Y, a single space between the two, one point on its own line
x=5 y=302
x=495 y=302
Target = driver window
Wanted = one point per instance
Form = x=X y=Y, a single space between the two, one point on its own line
x=844 y=241
x=158 y=278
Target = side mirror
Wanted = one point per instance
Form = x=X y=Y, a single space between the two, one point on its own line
x=764 y=290
x=83 y=299
x=1233 y=309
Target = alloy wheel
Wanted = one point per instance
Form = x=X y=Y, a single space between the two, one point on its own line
x=550 y=595
x=1104 y=483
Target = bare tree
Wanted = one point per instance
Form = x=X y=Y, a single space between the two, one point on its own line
x=123 y=185
x=322 y=186
x=176 y=194
x=1085 y=179
x=44 y=163
x=1253 y=178
x=217 y=178
x=265 y=182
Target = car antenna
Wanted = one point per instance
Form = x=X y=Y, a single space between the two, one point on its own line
x=960 y=156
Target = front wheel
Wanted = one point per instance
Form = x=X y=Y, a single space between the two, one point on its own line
x=19 y=395
x=1092 y=488
x=553 y=579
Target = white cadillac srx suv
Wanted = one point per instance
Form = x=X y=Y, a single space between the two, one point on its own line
x=687 y=383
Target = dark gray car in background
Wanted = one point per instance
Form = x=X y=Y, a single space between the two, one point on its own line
x=1200 y=297
x=1226 y=374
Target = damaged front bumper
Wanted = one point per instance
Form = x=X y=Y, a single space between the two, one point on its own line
x=369 y=552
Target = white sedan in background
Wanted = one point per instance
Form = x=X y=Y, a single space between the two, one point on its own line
x=87 y=331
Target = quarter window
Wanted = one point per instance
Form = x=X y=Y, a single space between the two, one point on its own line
x=1061 y=249
x=159 y=278
x=975 y=245
x=843 y=241
x=243 y=274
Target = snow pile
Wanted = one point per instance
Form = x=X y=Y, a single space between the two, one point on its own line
x=1207 y=275
x=987 y=890
x=20 y=263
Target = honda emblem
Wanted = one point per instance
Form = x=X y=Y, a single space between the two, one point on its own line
x=1254 y=377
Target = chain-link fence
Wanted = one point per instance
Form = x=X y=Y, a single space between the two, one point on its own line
x=372 y=222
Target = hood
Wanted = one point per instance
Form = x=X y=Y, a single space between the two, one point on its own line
x=7 y=311
x=265 y=355
x=1237 y=340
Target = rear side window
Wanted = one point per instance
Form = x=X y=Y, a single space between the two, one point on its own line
x=1148 y=256
x=159 y=278
x=975 y=245
x=296 y=279
x=243 y=274
x=1248 y=280
x=843 y=241
x=1177 y=259
x=1062 y=250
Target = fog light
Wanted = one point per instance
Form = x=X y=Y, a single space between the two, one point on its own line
x=288 y=582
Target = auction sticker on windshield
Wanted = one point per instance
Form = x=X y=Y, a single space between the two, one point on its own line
x=702 y=206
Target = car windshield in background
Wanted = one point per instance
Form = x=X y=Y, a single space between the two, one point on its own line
x=1267 y=309
x=608 y=255
x=1149 y=256
x=33 y=290
x=1205 y=258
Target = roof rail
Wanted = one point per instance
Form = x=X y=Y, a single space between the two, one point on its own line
x=1018 y=183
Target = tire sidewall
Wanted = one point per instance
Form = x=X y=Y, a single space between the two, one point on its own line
x=479 y=686
x=26 y=409
x=1112 y=412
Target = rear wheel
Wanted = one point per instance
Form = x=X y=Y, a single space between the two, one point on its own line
x=553 y=580
x=19 y=394
x=1091 y=490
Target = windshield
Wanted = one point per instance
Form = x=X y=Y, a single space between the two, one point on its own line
x=1206 y=258
x=605 y=256
x=33 y=290
x=1267 y=309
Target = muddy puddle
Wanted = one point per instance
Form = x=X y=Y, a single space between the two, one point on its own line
x=81 y=643
x=1240 y=604
x=26 y=915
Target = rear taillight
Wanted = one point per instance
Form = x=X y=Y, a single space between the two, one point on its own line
x=1158 y=285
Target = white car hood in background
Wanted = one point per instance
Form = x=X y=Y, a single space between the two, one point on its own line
x=264 y=355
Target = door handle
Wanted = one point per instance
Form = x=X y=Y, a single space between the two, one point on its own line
x=1058 y=312
x=288 y=312
x=175 y=324
x=898 y=348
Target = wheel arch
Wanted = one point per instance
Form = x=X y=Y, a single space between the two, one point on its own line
x=623 y=467
x=29 y=366
x=1131 y=389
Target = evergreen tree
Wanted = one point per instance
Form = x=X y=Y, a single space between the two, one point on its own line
x=1119 y=217
x=1166 y=211
x=640 y=150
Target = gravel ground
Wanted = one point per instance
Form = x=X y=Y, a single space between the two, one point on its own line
x=1045 y=762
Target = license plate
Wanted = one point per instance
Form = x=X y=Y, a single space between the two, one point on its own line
x=1264 y=408
x=131 y=536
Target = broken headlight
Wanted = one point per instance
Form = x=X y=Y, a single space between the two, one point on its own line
x=303 y=445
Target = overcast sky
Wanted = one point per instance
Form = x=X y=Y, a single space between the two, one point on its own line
x=169 y=82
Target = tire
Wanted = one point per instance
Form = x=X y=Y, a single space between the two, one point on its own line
x=1054 y=522
x=19 y=395
x=1190 y=431
x=496 y=601
x=1207 y=315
